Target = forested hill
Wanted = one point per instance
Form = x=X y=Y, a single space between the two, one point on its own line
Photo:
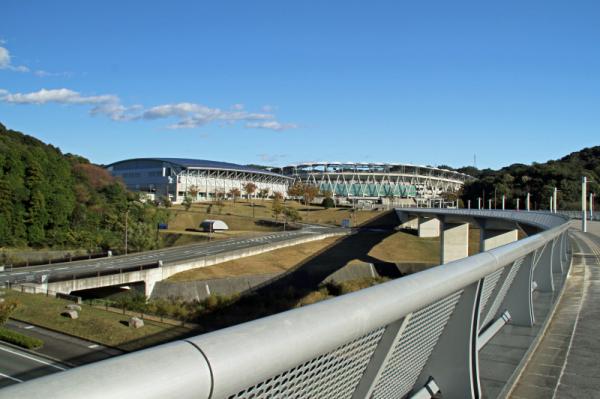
x=49 y=199
x=539 y=179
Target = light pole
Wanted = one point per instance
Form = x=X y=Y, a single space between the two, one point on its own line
x=555 y=199
x=527 y=200
x=583 y=204
x=478 y=202
x=592 y=195
x=126 y=228
x=468 y=204
x=490 y=203
x=503 y=201
x=518 y=199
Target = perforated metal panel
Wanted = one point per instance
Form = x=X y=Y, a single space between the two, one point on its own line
x=493 y=309
x=332 y=375
x=414 y=347
x=489 y=284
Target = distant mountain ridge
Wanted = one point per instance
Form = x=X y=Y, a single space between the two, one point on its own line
x=516 y=180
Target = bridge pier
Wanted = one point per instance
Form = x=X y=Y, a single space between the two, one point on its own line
x=429 y=227
x=454 y=243
x=494 y=238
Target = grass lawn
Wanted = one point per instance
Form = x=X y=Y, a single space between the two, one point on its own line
x=275 y=261
x=93 y=324
x=239 y=216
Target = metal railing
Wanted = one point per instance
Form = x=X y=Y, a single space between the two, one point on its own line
x=407 y=337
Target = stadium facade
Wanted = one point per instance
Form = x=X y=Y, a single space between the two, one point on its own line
x=174 y=177
x=375 y=181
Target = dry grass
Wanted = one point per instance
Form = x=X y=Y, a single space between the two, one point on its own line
x=276 y=261
x=239 y=216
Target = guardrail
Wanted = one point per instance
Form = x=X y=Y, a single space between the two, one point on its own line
x=410 y=336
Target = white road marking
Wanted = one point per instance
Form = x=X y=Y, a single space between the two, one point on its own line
x=29 y=327
x=10 y=378
x=32 y=358
x=93 y=346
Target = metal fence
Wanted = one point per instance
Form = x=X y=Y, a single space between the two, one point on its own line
x=409 y=337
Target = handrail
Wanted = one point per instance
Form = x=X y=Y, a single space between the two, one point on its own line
x=225 y=362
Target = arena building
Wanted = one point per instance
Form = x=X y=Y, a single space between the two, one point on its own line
x=377 y=181
x=174 y=177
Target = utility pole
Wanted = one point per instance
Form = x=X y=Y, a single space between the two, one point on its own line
x=583 y=204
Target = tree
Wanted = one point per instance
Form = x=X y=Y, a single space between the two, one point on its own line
x=296 y=190
x=234 y=193
x=277 y=196
x=166 y=201
x=276 y=208
x=250 y=188
x=6 y=309
x=328 y=203
x=187 y=202
x=193 y=192
x=309 y=193
x=291 y=214
x=264 y=193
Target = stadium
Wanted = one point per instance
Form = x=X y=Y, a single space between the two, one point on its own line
x=175 y=177
x=377 y=181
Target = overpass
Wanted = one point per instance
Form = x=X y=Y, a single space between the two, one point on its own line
x=440 y=330
x=153 y=266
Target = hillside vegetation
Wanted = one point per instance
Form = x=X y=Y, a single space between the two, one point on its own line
x=516 y=180
x=49 y=199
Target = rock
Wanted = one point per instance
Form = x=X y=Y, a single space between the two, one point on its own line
x=73 y=306
x=136 y=322
x=71 y=314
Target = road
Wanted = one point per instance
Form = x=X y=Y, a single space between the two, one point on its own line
x=59 y=353
x=103 y=266
x=17 y=365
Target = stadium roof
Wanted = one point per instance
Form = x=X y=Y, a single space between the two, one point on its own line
x=204 y=164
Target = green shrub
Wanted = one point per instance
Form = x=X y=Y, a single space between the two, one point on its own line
x=19 y=339
x=328 y=203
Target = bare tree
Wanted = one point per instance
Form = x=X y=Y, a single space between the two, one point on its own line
x=250 y=188
x=235 y=193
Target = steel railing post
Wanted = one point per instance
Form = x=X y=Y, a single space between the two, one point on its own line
x=519 y=299
x=557 y=266
x=542 y=272
x=453 y=364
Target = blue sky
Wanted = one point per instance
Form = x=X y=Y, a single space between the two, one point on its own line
x=277 y=82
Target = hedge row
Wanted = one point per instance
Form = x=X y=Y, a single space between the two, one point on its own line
x=20 y=339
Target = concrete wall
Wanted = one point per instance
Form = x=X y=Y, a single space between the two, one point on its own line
x=151 y=276
x=201 y=289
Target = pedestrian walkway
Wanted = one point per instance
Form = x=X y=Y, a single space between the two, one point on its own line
x=566 y=364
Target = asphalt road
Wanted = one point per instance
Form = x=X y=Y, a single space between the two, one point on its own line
x=17 y=366
x=62 y=271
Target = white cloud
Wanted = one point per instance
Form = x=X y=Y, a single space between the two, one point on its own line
x=6 y=61
x=187 y=115
x=271 y=125
x=271 y=157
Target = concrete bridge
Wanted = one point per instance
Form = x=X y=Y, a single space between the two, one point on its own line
x=153 y=266
x=473 y=327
